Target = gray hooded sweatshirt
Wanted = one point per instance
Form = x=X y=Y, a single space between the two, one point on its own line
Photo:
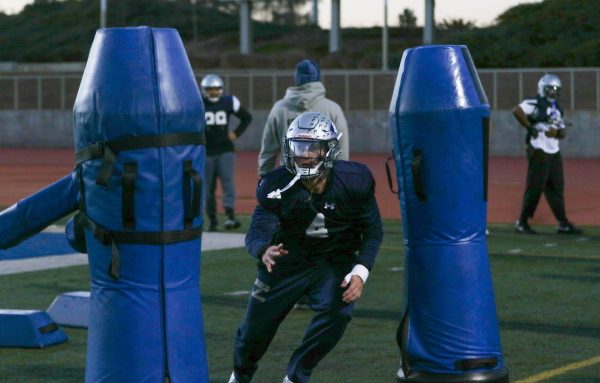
x=309 y=97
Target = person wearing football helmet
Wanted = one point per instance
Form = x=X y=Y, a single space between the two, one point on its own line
x=317 y=237
x=220 y=156
x=308 y=95
x=212 y=87
x=549 y=87
x=542 y=117
x=311 y=145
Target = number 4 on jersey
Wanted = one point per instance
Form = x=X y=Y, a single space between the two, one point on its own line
x=317 y=228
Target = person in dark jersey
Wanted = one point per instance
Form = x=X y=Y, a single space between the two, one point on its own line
x=316 y=231
x=220 y=156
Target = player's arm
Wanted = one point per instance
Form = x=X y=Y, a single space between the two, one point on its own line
x=262 y=228
x=243 y=115
x=372 y=228
x=245 y=119
x=521 y=117
x=372 y=236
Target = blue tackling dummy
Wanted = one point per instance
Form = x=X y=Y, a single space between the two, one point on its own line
x=139 y=138
x=439 y=118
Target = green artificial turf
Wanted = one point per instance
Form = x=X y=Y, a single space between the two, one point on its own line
x=547 y=293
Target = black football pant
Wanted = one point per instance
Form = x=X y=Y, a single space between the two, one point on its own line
x=544 y=175
x=273 y=296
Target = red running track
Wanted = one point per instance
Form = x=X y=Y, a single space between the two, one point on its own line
x=24 y=171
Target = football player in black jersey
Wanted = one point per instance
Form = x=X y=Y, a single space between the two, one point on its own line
x=220 y=157
x=316 y=230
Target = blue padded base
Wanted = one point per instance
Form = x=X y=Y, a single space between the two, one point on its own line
x=71 y=309
x=29 y=329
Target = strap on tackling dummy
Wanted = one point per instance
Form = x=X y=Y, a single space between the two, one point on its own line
x=108 y=237
x=108 y=150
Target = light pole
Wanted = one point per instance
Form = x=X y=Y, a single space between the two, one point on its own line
x=103 y=7
x=384 y=37
x=245 y=27
x=334 y=32
x=194 y=20
x=429 y=22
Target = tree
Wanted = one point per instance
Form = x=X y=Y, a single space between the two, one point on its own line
x=407 y=18
x=285 y=12
x=453 y=25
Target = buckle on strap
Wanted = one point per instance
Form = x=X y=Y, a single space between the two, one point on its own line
x=90 y=152
x=109 y=159
x=103 y=236
x=96 y=149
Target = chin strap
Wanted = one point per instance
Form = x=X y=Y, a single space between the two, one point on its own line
x=276 y=194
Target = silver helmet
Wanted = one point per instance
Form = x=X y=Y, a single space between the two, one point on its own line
x=549 y=87
x=211 y=81
x=311 y=145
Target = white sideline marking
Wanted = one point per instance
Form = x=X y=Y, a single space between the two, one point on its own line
x=210 y=241
x=14 y=266
x=238 y=292
x=550 y=245
x=219 y=241
x=582 y=239
x=396 y=268
x=515 y=251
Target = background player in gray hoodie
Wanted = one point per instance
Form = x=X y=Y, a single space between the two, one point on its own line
x=307 y=96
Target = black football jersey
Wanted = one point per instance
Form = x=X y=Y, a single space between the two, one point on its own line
x=327 y=227
x=217 y=115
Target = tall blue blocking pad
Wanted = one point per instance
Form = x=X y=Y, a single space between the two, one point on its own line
x=139 y=137
x=140 y=151
x=439 y=116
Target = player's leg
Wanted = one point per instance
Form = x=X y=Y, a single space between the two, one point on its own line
x=554 y=193
x=210 y=185
x=554 y=190
x=227 y=173
x=271 y=299
x=537 y=174
x=327 y=326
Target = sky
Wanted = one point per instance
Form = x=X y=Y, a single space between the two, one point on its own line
x=367 y=13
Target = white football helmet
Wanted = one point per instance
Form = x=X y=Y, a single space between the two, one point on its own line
x=212 y=82
x=311 y=145
x=549 y=87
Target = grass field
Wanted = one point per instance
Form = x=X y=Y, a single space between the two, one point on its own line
x=547 y=294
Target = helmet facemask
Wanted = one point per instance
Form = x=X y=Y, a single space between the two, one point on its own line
x=213 y=93
x=551 y=92
x=310 y=158
x=549 y=87
x=309 y=149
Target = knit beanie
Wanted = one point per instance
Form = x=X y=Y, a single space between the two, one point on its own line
x=307 y=71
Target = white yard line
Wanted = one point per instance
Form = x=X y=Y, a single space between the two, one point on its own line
x=210 y=241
